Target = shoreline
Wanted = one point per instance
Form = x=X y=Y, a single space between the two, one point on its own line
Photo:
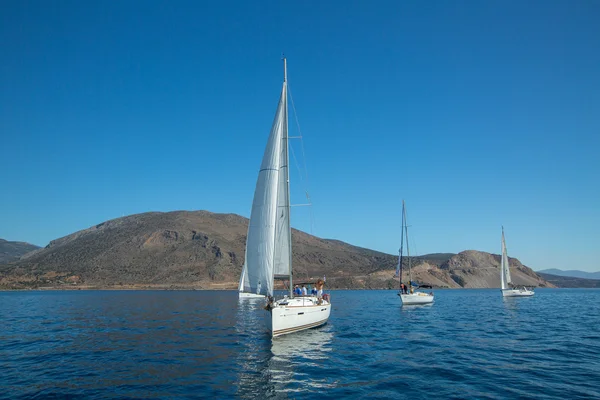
x=200 y=288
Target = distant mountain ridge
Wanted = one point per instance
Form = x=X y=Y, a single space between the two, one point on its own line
x=571 y=273
x=200 y=249
x=570 y=282
x=11 y=251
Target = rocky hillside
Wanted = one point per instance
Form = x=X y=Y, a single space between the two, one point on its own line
x=205 y=250
x=468 y=269
x=11 y=251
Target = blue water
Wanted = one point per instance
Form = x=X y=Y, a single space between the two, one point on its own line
x=195 y=344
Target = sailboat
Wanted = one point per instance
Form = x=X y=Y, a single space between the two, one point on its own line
x=269 y=241
x=505 y=280
x=410 y=296
x=244 y=289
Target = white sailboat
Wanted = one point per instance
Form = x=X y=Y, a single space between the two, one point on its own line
x=410 y=296
x=244 y=288
x=269 y=241
x=505 y=280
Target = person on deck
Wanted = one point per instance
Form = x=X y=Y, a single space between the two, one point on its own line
x=304 y=293
x=319 y=286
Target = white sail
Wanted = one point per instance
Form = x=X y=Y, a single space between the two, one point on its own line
x=244 y=285
x=260 y=243
x=282 y=260
x=505 y=279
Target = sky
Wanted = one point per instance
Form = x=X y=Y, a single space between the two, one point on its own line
x=478 y=114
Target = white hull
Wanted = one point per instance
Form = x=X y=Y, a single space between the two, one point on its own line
x=416 y=298
x=297 y=314
x=517 y=292
x=246 y=295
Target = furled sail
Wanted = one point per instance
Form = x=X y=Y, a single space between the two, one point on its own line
x=261 y=241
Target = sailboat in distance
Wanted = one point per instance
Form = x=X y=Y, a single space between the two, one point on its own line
x=407 y=293
x=269 y=241
x=505 y=279
x=244 y=287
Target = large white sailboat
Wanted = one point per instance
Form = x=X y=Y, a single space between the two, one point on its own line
x=505 y=280
x=269 y=241
x=409 y=296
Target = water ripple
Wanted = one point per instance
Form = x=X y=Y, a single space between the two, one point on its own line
x=161 y=344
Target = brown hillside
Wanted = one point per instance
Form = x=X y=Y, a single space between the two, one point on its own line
x=205 y=250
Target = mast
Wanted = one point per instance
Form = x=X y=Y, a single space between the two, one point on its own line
x=287 y=171
x=407 y=249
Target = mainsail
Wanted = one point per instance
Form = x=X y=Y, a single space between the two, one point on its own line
x=268 y=242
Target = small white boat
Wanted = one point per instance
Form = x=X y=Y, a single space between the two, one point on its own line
x=269 y=241
x=505 y=279
x=416 y=298
x=244 y=288
x=521 y=292
x=412 y=297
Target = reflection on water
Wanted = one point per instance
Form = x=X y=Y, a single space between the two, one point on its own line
x=297 y=359
x=414 y=307
x=312 y=344
x=253 y=357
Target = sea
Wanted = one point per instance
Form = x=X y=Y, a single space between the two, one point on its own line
x=470 y=344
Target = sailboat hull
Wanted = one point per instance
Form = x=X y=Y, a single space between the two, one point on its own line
x=517 y=292
x=246 y=295
x=297 y=314
x=416 y=298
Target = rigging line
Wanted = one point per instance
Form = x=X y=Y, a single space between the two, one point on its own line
x=414 y=245
x=296 y=162
x=299 y=133
x=305 y=189
x=307 y=185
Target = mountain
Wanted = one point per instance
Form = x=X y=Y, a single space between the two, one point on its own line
x=11 y=251
x=573 y=273
x=199 y=249
x=570 y=282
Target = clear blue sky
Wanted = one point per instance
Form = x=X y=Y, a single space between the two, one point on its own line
x=477 y=113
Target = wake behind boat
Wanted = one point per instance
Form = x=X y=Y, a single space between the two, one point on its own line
x=269 y=241
x=505 y=279
x=407 y=293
